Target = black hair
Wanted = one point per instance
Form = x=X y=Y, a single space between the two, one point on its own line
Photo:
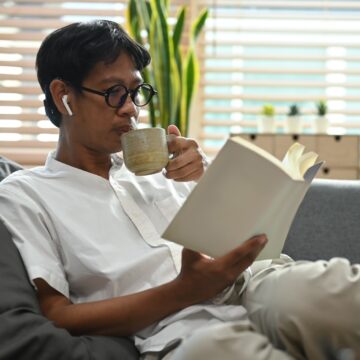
x=71 y=52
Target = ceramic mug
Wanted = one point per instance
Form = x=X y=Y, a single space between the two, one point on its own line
x=145 y=151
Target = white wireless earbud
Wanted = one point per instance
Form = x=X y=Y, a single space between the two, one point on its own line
x=66 y=104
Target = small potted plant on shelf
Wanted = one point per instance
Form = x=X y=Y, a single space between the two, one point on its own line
x=293 y=119
x=321 y=122
x=267 y=120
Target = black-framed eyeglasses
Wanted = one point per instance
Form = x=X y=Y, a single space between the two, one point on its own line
x=116 y=95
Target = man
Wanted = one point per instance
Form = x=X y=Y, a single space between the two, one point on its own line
x=89 y=231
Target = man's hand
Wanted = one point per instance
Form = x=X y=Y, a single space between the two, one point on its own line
x=189 y=161
x=202 y=278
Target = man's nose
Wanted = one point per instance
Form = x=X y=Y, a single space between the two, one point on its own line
x=129 y=108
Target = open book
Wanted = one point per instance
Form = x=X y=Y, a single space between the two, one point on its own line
x=245 y=191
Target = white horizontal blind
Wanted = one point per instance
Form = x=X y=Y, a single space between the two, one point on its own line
x=26 y=135
x=253 y=52
x=278 y=52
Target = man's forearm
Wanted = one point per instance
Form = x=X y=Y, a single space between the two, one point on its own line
x=120 y=316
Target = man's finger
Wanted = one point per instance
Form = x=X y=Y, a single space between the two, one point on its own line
x=192 y=176
x=173 y=130
x=252 y=246
x=178 y=144
x=185 y=159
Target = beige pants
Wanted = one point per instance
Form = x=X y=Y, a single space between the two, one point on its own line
x=311 y=309
x=297 y=310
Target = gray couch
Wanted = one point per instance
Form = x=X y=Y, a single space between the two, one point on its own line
x=326 y=225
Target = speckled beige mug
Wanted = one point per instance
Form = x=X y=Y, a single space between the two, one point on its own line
x=145 y=151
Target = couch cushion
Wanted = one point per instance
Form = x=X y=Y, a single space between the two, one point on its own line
x=327 y=223
x=7 y=167
x=26 y=334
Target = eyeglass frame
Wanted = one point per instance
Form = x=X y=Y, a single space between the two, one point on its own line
x=128 y=92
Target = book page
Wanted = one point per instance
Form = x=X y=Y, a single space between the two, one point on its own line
x=296 y=162
x=306 y=161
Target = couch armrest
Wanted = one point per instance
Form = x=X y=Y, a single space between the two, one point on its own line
x=327 y=223
x=7 y=167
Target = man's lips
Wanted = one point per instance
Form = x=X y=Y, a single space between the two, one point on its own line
x=122 y=129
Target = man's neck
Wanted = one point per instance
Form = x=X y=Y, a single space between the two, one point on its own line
x=85 y=160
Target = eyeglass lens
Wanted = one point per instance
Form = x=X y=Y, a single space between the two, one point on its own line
x=118 y=94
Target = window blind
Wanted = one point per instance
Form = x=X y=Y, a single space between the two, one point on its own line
x=252 y=53
x=26 y=135
x=279 y=53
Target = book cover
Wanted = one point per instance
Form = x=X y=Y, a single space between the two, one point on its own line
x=244 y=192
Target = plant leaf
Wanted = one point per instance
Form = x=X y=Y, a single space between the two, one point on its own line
x=177 y=34
x=132 y=22
x=155 y=43
x=144 y=14
x=199 y=24
x=179 y=26
x=190 y=81
x=165 y=67
x=166 y=4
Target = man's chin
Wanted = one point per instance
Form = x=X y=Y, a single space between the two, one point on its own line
x=112 y=148
x=115 y=149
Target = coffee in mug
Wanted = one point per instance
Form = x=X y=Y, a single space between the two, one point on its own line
x=145 y=150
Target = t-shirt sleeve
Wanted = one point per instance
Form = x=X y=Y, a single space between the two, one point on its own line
x=32 y=233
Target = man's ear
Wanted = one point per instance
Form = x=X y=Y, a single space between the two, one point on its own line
x=58 y=90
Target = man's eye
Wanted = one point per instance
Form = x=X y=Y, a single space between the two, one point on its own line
x=117 y=91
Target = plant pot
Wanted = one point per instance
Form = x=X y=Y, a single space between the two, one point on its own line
x=266 y=124
x=293 y=124
x=321 y=124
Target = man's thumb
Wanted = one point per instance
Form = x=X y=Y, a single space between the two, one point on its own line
x=173 y=130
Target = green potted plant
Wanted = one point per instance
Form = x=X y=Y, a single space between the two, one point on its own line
x=267 y=119
x=321 y=121
x=174 y=71
x=293 y=119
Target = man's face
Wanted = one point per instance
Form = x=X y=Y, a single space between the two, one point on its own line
x=96 y=126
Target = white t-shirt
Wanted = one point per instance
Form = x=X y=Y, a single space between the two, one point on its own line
x=93 y=239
